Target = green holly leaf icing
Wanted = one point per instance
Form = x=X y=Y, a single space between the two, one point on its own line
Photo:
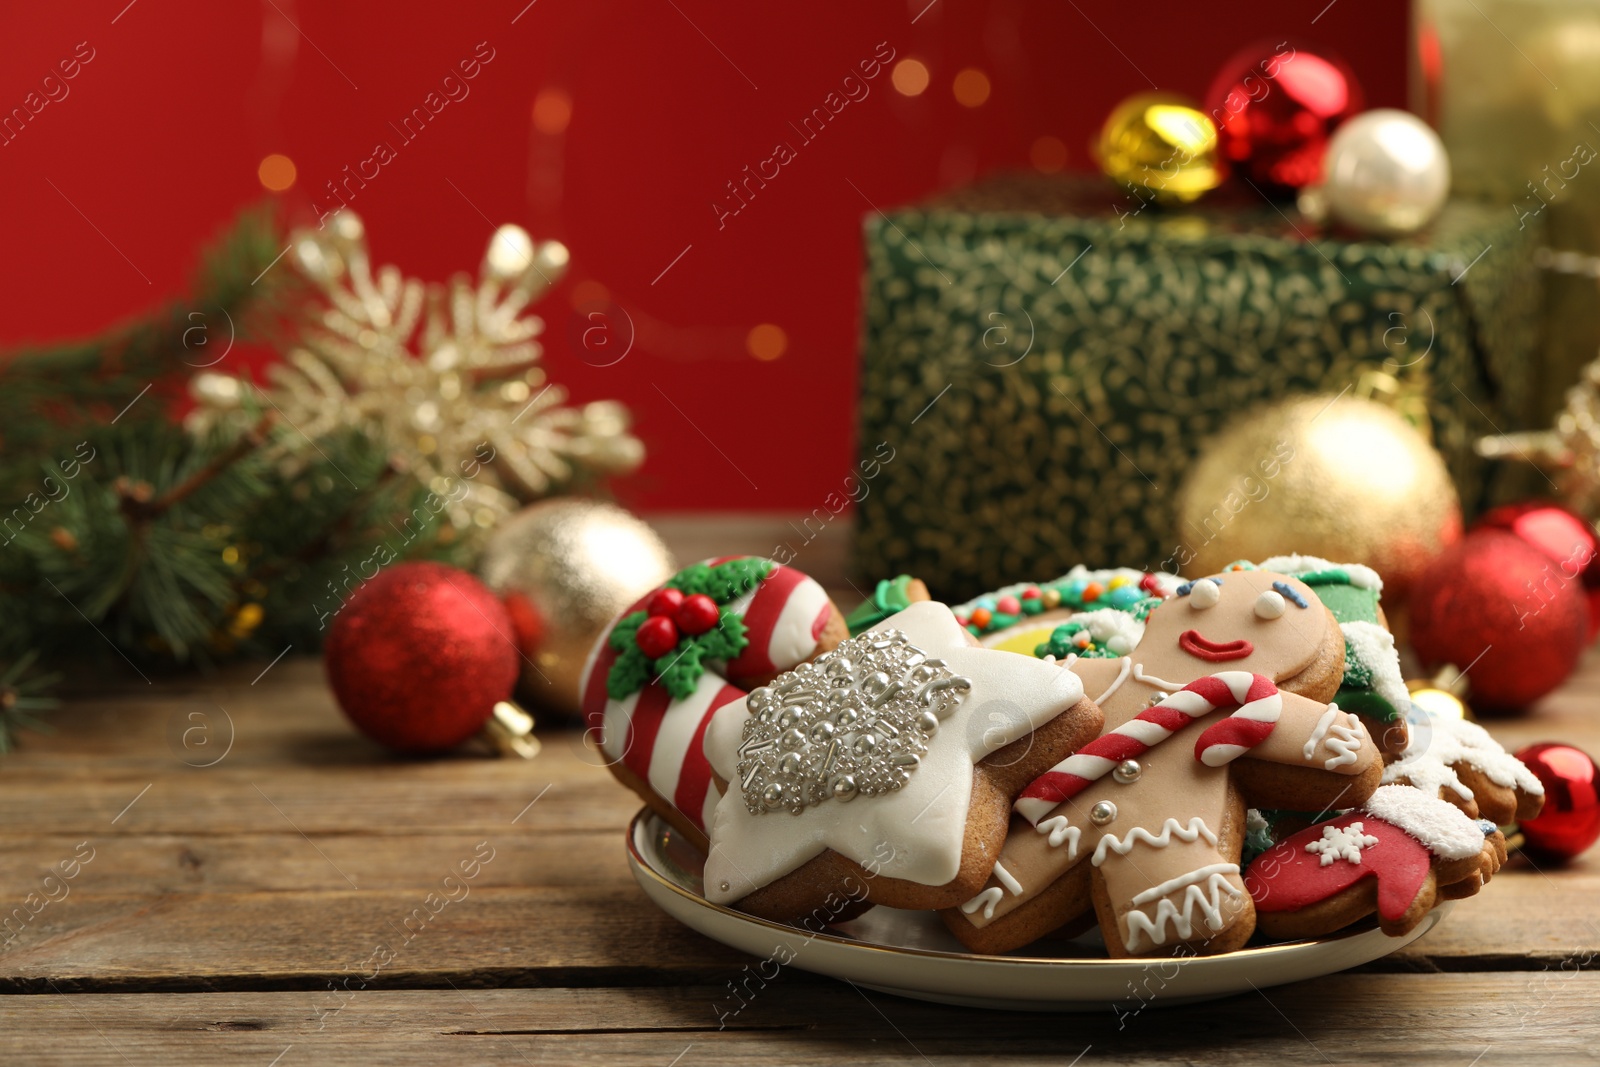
x=679 y=671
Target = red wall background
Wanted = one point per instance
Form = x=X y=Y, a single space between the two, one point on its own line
x=106 y=195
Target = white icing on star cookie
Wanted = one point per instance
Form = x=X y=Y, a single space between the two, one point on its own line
x=923 y=823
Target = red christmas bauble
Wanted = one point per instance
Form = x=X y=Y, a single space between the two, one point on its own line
x=656 y=636
x=698 y=614
x=1570 y=821
x=419 y=656
x=1561 y=534
x=1275 y=106
x=1490 y=605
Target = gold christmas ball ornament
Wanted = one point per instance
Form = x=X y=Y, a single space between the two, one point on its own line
x=565 y=568
x=1341 y=478
x=1162 y=145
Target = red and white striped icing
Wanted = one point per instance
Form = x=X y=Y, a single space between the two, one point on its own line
x=659 y=739
x=1257 y=705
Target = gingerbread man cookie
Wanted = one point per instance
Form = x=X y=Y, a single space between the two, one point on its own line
x=889 y=763
x=701 y=641
x=1373 y=687
x=1398 y=855
x=1146 y=824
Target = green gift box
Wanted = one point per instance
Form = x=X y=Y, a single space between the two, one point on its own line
x=1046 y=356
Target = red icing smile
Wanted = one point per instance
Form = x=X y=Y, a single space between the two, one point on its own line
x=1191 y=642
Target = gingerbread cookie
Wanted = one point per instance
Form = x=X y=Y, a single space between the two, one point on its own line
x=1373 y=687
x=1458 y=761
x=1146 y=823
x=700 y=642
x=888 y=764
x=1397 y=856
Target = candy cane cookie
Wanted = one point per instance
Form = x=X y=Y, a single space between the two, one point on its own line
x=663 y=669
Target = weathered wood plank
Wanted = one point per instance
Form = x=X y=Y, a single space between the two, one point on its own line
x=1443 y=1019
x=185 y=914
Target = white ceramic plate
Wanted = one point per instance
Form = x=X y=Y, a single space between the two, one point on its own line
x=913 y=955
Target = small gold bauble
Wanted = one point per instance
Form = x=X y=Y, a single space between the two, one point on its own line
x=1345 y=479
x=1163 y=145
x=565 y=568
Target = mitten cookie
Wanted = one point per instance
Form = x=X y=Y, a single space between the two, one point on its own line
x=1397 y=856
x=1146 y=823
x=1458 y=761
x=884 y=770
x=664 y=667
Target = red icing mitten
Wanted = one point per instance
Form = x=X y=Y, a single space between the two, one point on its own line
x=1398 y=855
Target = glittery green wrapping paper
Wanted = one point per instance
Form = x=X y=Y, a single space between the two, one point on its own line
x=1046 y=369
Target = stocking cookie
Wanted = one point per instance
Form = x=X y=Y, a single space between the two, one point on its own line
x=1146 y=823
x=884 y=770
x=1458 y=761
x=1396 y=856
x=664 y=667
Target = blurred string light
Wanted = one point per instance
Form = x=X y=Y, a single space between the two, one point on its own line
x=766 y=342
x=1048 y=154
x=276 y=173
x=910 y=77
x=971 y=87
x=552 y=110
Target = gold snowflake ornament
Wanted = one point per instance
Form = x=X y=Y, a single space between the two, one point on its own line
x=448 y=375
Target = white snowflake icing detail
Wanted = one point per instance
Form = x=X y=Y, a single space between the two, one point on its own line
x=1342 y=843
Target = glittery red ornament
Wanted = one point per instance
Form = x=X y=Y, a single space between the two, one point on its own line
x=698 y=614
x=1561 y=534
x=1570 y=821
x=1491 y=605
x=419 y=656
x=656 y=636
x=1275 y=105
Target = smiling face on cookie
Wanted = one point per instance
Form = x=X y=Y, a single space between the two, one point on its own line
x=1254 y=621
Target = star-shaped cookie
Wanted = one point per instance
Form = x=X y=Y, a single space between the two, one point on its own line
x=893 y=758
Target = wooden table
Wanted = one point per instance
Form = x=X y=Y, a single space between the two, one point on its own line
x=234 y=913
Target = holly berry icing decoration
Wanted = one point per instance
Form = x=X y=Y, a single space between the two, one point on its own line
x=682 y=626
x=875 y=757
x=1399 y=855
x=1222 y=705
